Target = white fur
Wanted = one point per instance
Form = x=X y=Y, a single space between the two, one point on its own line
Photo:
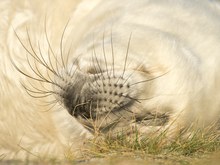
x=180 y=38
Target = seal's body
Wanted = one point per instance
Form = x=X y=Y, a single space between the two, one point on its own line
x=114 y=64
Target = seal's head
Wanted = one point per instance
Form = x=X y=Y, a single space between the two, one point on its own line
x=100 y=96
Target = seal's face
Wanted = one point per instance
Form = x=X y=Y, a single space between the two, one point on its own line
x=100 y=96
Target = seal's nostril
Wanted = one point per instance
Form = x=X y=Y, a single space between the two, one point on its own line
x=91 y=71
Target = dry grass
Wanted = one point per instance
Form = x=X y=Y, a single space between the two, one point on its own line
x=190 y=147
x=187 y=148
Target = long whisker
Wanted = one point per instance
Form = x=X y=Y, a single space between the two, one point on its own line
x=150 y=79
x=46 y=65
x=97 y=62
x=103 y=47
x=96 y=75
x=61 y=44
x=35 y=72
x=130 y=75
x=126 y=57
x=50 y=49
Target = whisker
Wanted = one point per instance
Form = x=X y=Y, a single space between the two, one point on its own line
x=128 y=77
x=50 y=49
x=29 y=93
x=46 y=65
x=34 y=55
x=103 y=47
x=131 y=98
x=69 y=72
x=113 y=54
x=126 y=57
x=151 y=79
x=149 y=98
x=96 y=75
x=25 y=74
x=97 y=62
x=44 y=61
x=125 y=108
x=51 y=103
x=61 y=43
x=39 y=90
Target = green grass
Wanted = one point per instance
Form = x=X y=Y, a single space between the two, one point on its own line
x=190 y=145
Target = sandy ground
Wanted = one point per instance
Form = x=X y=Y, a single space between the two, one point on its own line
x=213 y=159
